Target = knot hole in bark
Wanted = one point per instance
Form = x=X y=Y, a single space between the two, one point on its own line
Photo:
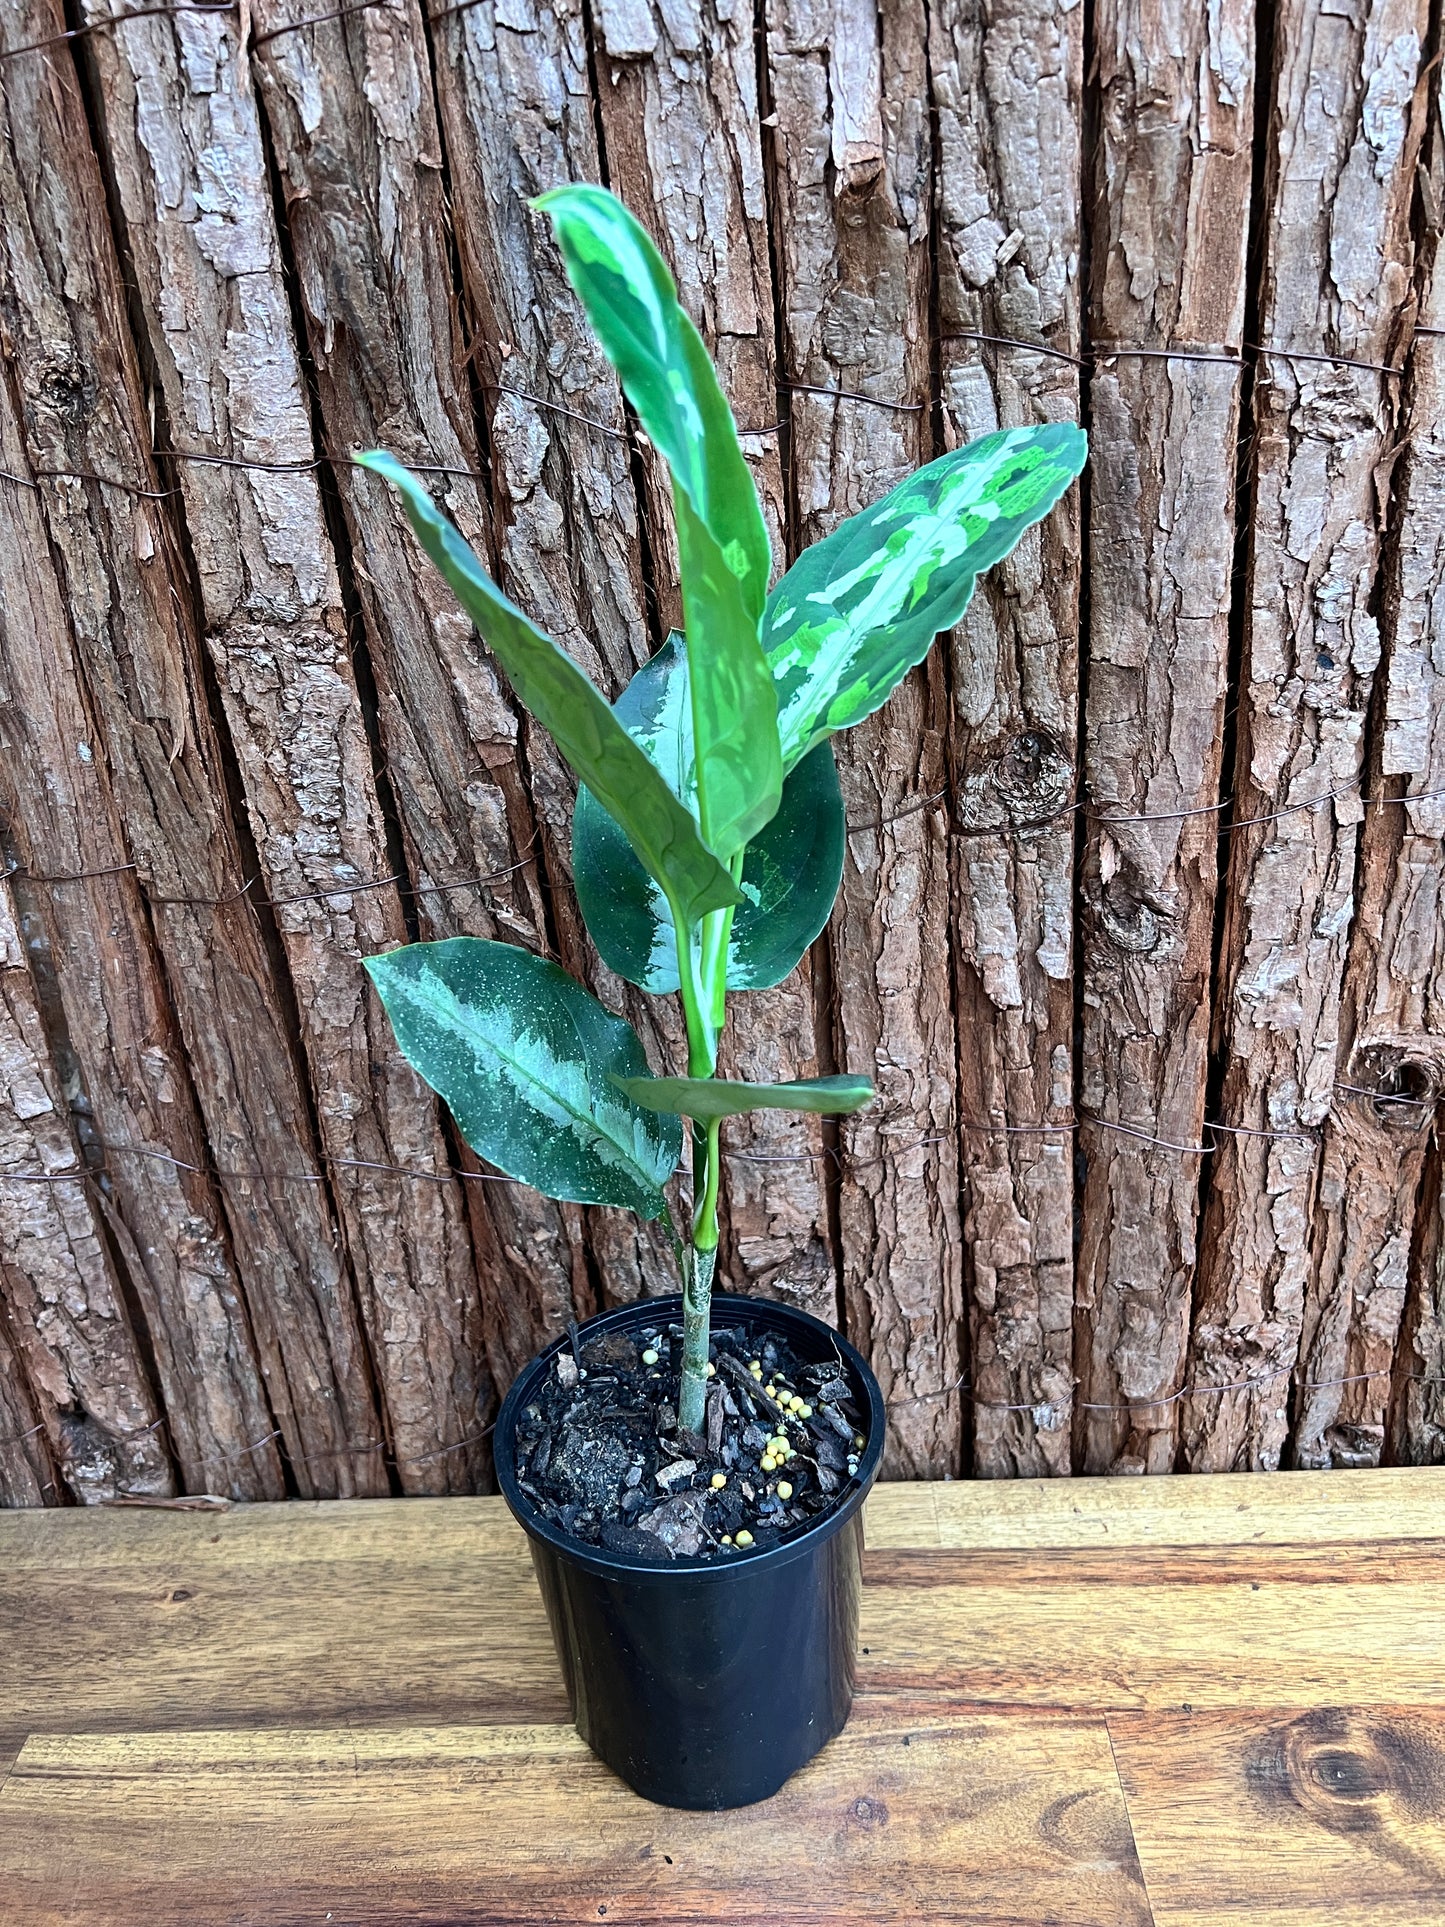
x=1026 y=780
x=1401 y=1085
x=68 y=388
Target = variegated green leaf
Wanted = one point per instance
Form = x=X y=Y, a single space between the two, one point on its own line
x=533 y=1068
x=790 y=874
x=706 y=1098
x=723 y=549
x=859 y=609
x=662 y=832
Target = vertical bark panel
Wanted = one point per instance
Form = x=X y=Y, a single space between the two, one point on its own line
x=1337 y=274
x=1007 y=84
x=1392 y=1030
x=1171 y=181
x=139 y=673
x=678 y=88
x=518 y=117
x=64 y=1323
x=852 y=177
x=186 y=151
x=352 y=118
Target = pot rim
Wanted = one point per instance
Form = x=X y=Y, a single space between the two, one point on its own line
x=596 y=1559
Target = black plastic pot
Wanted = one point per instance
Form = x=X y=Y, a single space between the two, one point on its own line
x=707 y=1685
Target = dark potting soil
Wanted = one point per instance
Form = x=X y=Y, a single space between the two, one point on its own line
x=601 y=1456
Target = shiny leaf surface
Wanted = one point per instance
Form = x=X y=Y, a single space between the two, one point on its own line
x=790 y=873
x=533 y=1068
x=860 y=609
x=660 y=830
x=631 y=301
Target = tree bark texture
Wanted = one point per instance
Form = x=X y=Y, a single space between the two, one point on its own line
x=184 y=143
x=1392 y=1020
x=1007 y=83
x=1157 y=1098
x=1171 y=191
x=1337 y=281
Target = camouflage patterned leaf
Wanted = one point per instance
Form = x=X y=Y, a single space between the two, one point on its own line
x=723 y=548
x=533 y=1068
x=860 y=609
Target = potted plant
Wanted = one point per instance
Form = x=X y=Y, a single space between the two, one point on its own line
x=690 y=1471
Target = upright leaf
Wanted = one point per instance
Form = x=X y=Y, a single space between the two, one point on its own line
x=533 y=1069
x=859 y=609
x=790 y=874
x=659 y=355
x=706 y=1098
x=662 y=832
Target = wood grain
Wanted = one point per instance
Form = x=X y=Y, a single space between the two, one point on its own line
x=1337 y=280
x=1007 y=83
x=426 y=1612
x=1170 y=218
x=907 y=1817
x=282 y=1711
x=1327 y=1818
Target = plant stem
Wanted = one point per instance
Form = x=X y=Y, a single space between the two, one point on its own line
x=702 y=980
x=697 y=1280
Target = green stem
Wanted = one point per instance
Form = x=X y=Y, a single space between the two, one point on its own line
x=702 y=981
x=698 y=1278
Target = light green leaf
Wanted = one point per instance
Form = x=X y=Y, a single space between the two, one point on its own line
x=790 y=874
x=533 y=1069
x=706 y=1098
x=660 y=358
x=860 y=609
x=662 y=832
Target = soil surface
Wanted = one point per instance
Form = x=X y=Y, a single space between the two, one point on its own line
x=601 y=1456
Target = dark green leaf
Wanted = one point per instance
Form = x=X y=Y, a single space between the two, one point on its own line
x=790 y=874
x=709 y=1097
x=534 y=1069
x=663 y=833
x=859 y=609
x=659 y=355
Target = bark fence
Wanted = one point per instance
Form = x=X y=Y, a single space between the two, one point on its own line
x=1141 y=935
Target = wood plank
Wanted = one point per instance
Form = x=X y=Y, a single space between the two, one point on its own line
x=1007 y=88
x=428 y=1611
x=1324 y=1818
x=1172 y=186
x=1248 y=1509
x=906 y=1817
x=1158 y=1627
x=1258 y=1509
x=1337 y=283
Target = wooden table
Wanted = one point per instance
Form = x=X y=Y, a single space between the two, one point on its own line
x=1173 y=1700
